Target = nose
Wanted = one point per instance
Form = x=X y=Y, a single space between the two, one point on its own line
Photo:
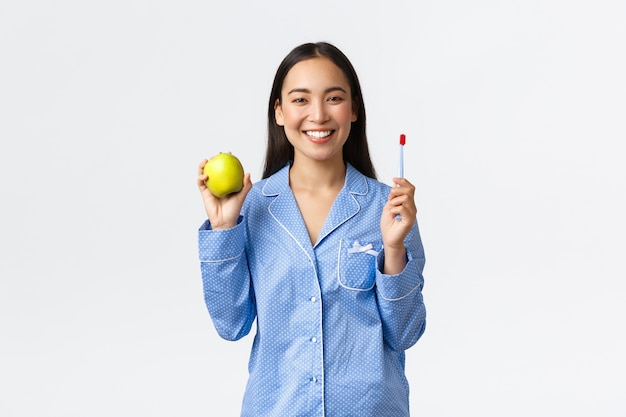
x=318 y=112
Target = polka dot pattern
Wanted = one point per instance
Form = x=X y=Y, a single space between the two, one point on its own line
x=331 y=328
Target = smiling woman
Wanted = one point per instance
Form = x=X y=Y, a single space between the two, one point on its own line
x=317 y=253
x=316 y=109
x=279 y=149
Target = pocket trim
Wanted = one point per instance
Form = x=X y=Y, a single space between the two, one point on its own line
x=358 y=248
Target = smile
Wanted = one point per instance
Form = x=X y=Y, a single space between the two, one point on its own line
x=317 y=134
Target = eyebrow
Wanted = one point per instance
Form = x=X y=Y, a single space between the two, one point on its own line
x=328 y=90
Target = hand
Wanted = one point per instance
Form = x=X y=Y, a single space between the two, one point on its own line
x=396 y=221
x=223 y=213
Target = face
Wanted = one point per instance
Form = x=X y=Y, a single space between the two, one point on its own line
x=316 y=110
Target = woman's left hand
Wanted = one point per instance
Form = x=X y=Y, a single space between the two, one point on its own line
x=398 y=217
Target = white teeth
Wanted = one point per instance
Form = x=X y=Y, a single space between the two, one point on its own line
x=317 y=134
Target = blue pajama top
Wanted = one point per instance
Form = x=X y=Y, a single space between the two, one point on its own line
x=331 y=328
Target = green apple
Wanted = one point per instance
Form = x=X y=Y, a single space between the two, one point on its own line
x=225 y=174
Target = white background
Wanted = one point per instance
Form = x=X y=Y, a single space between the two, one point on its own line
x=514 y=116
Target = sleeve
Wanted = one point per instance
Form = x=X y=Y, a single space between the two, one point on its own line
x=400 y=300
x=226 y=280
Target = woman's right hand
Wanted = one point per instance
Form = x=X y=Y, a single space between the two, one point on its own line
x=223 y=213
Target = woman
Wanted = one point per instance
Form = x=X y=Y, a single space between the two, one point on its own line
x=301 y=251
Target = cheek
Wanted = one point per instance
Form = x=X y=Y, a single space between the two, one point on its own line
x=344 y=114
x=291 y=115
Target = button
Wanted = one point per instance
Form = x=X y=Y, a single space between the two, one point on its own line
x=313 y=299
x=313 y=379
x=314 y=339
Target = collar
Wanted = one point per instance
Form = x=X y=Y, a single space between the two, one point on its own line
x=278 y=183
x=284 y=208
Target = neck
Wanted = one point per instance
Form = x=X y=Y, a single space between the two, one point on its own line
x=317 y=174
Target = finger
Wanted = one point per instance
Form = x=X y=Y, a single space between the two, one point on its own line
x=201 y=166
x=247 y=186
x=202 y=177
x=403 y=201
x=402 y=189
x=397 y=192
x=403 y=185
x=247 y=183
x=402 y=182
x=407 y=212
x=400 y=203
x=403 y=204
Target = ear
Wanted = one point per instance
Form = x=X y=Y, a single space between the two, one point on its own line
x=355 y=111
x=278 y=113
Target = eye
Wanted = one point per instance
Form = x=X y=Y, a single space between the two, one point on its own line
x=335 y=99
x=299 y=100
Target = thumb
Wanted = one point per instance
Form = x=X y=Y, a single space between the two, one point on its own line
x=247 y=182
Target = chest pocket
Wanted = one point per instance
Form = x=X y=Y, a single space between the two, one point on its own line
x=357 y=263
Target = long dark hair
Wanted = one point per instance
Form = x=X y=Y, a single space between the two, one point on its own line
x=355 y=150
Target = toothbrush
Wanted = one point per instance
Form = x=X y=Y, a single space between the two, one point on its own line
x=401 y=157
